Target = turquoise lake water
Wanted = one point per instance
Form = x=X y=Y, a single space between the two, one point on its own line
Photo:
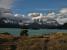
x=16 y=31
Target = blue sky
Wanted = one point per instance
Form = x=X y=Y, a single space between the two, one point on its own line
x=25 y=6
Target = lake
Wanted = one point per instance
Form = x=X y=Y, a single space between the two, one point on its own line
x=16 y=31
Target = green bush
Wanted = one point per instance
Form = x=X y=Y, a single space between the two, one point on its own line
x=24 y=32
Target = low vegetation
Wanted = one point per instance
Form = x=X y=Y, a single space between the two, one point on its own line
x=53 y=41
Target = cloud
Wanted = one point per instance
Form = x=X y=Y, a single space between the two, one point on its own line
x=6 y=3
x=63 y=10
x=62 y=17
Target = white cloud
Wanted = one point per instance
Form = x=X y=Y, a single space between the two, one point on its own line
x=51 y=15
x=63 y=11
x=62 y=16
x=6 y=3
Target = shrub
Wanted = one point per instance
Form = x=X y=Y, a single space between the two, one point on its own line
x=24 y=32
